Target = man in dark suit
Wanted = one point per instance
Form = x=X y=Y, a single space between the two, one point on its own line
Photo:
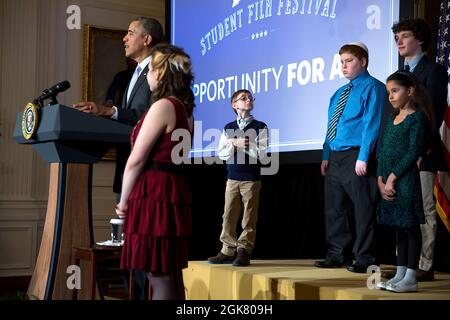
x=119 y=84
x=412 y=37
x=143 y=34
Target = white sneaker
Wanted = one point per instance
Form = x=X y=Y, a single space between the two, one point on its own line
x=402 y=287
x=382 y=285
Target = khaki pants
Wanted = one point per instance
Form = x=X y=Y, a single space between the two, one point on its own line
x=429 y=228
x=240 y=197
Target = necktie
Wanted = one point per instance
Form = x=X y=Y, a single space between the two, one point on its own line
x=406 y=67
x=243 y=122
x=331 y=133
x=133 y=81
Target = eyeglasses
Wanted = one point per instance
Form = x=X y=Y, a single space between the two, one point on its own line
x=246 y=98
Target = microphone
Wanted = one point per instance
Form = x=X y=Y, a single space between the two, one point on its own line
x=53 y=91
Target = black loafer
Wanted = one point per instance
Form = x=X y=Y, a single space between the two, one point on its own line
x=358 y=268
x=242 y=259
x=220 y=259
x=327 y=263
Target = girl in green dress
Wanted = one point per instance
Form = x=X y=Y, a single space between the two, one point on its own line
x=398 y=174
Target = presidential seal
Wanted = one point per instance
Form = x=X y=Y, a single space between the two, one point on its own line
x=30 y=120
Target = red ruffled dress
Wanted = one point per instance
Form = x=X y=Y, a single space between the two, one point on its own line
x=159 y=220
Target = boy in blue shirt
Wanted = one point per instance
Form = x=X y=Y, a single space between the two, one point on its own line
x=348 y=164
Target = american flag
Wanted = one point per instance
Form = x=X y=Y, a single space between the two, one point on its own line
x=442 y=185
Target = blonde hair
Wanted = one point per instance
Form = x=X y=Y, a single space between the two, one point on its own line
x=176 y=78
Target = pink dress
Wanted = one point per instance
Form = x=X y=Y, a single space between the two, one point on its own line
x=159 y=220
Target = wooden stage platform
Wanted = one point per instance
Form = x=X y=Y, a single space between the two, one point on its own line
x=295 y=280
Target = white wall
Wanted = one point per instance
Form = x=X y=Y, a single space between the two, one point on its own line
x=37 y=50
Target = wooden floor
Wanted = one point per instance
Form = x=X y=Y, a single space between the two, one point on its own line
x=295 y=280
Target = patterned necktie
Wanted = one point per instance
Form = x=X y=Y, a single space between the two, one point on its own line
x=133 y=81
x=331 y=133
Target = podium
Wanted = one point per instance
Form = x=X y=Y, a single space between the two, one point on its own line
x=71 y=141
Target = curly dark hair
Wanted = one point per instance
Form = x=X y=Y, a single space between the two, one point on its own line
x=418 y=27
x=176 y=74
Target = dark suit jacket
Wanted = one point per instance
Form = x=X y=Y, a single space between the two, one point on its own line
x=434 y=77
x=130 y=113
x=118 y=87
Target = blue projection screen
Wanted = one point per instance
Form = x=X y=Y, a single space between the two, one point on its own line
x=285 y=52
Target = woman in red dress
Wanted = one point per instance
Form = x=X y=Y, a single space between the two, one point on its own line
x=155 y=200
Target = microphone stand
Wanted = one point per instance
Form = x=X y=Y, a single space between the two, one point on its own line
x=53 y=100
x=40 y=101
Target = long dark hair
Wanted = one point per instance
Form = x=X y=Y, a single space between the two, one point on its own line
x=420 y=100
x=176 y=75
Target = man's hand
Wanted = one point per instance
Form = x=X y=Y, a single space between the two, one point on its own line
x=361 y=168
x=324 y=167
x=93 y=108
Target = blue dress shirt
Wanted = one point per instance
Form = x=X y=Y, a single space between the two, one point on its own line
x=414 y=62
x=360 y=121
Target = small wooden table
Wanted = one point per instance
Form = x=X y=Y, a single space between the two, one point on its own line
x=96 y=254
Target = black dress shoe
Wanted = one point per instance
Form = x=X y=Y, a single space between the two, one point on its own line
x=422 y=275
x=221 y=259
x=242 y=259
x=357 y=268
x=328 y=263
